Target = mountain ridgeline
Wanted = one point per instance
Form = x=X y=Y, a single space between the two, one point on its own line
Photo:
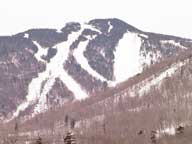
x=42 y=68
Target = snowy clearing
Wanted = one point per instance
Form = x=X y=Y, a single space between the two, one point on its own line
x=54 y=69
x=127 y=55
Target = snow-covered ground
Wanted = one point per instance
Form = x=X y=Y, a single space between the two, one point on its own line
x=144 y=36
x=110 y=26
x=41 y=52
x=127 y=55
x=26 y=35
x=54 y=69
x=84 y=25
x=43 y=83
x=172 y=42
x=155 y=80
x=171 y=130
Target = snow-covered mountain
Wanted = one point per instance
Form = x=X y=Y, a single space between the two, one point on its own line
x=42 y=68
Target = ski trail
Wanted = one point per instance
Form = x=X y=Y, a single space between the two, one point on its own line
x=79 y=56
x=54 y=69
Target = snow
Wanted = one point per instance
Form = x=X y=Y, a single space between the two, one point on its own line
x=41 y=52
x=177 y=44
x=144 y=36
x=91 y=28
x=37 y=92
x=26 y=35
x=59 y=31
x=157 y=80
x=146 y=58
x=54 y=69
x=110 y=27
x=127 y=63
x=78 y=54
x=168 y=131
x=144 y=86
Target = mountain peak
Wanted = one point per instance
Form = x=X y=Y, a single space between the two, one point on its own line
x=81 y=59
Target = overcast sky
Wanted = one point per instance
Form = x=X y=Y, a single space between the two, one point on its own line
x=162 y=16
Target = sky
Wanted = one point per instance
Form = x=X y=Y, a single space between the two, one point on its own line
x=161 y=16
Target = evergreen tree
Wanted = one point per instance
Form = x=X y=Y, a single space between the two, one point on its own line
x=70 y=138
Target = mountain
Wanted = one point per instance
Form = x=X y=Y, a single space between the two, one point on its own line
x=45 y=68
x=151 y=107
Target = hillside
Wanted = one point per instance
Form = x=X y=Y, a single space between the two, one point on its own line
x=104 y=80
x=118 y=116
x=42 y=68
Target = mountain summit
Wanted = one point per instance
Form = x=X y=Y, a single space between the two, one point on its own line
x=41 y=68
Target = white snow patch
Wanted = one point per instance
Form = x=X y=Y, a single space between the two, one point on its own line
x=144 y=36
x=54 y=69
x=26 y=35
x=41 y=52
x=168 y=131
x=157 y=80
x=59 y=31
x=127 y=63
x=91 y=28
x=91 y=37
x=177 y=44
x=144 y=86
x=110 y=27
x=102 y=52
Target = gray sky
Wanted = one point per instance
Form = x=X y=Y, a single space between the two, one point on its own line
x=162 y=16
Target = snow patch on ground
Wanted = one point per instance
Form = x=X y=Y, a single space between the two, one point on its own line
x=127 y=63
x=54 y=69
x=59 y=31
x=157 y=80
x=169 y=130
x=110 y=27
x=26 y=35
x=41 y=52
x=172 y=42
x=144 y=36
x=91 y=28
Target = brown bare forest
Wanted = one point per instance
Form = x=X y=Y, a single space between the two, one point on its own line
x=113 y=116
